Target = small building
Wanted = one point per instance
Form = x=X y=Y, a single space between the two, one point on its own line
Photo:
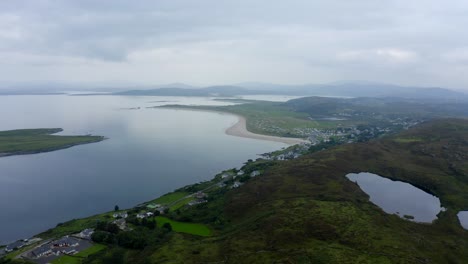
x=236 y=184
x=120 y=215
x=148 y=214
x=41 y=251
x=86 y=234
x=15 y=245
x=120 y=223
x=161 y=210
x=200 y=195
x=66 y=241
x=141 y=216
x=254 y=173
x=198 y=201
x=69 y=251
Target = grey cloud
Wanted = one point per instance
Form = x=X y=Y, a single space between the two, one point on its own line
x=320 y=40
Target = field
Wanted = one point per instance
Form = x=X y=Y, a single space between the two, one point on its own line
x=29 y=141
x=188 y=228
x=169 y=198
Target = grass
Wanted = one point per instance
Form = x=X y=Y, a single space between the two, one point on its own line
x=67 y=260
x=187 y=228
x=91 y=250
x=28 y=141
x=169 y=198
x=75 y=226
x=180 y=203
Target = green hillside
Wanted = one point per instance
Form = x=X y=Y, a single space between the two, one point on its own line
x=29 y=141
x=306 y=211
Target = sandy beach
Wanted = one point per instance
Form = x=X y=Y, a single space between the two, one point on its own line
x=239 y=129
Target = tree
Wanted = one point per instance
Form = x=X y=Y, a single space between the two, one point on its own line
x=151 y=224
x=98 y=236
x=116 y=208
x=167 y=226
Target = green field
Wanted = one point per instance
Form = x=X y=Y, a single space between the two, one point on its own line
x=29 y=141
x=188 y=228
x=169 y=198
x=180 y=203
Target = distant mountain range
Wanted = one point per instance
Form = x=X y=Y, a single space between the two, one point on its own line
x=340 y=89
x=345 y=89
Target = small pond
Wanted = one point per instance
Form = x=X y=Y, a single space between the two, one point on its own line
x=463 y=217
x=396 y=197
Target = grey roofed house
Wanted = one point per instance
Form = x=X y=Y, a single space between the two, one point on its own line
x=86 y=233
x=41 y=251
x=198 y=201
x=66 y=241
x=69 y=251
x=15 y=245
x=120 y=215
x=254 y=173
x=200 y=195
x=236 y=184
x=120 y=223
x=141 y=216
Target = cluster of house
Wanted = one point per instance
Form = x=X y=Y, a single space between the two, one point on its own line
x=157 y=207
x=199 y=198
x=120 y=215
x=85 y=234
x=21 y=243
x=65 y=245
x=120 y=220
x=16 y=245
x=144 y=215
x=236 y=184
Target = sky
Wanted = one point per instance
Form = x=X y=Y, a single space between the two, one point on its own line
x=206 y=42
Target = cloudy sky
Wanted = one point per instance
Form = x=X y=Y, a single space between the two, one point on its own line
x=204 y=42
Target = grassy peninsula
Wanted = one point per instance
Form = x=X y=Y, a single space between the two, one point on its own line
x=303 y=210
x=30 y=141
x=339 y=119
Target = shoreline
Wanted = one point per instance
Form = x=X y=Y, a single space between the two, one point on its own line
x=239 y=129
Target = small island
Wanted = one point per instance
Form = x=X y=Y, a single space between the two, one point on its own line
x=31 y=141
